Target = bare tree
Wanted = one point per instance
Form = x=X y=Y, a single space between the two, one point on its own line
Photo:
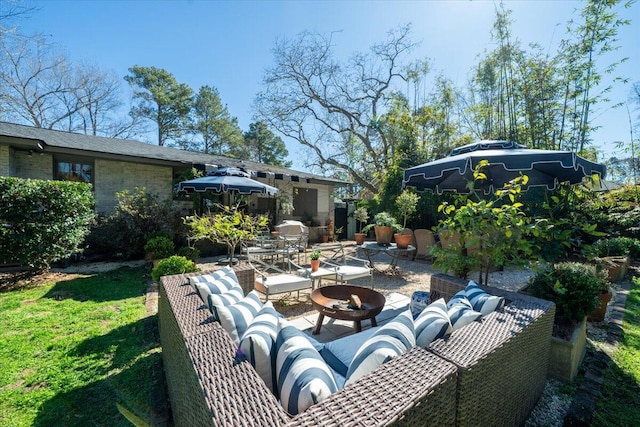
x=334 y=109
x=38 y=86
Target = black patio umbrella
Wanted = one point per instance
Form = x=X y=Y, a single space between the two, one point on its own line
x=507 y=160
x=226 y=180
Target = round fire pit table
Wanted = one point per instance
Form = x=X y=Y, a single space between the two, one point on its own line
x=333 y=301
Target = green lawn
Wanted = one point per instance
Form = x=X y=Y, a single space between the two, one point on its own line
x=70 y=351
x=620 y=401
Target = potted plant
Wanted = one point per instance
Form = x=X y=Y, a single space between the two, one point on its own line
x=315 y=259
x=573 y=287
x=158 y=247
x=361 y=215
x=613 y=255
x=406 y=203
x=384 y=225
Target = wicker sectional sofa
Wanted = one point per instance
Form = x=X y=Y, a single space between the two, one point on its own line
x=489 y=373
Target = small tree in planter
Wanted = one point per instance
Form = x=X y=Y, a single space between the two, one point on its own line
x=406 y=203
x=229 y=226
x=361 y=215
x=483 y=234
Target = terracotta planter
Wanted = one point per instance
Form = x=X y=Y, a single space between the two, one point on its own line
x=383 y=234
x=315 y=264
x=402 y=240
x=598 y=314
x=566 y=356
x=275 y=234
x=616 y=266
x=360 y=238
x=325 y=238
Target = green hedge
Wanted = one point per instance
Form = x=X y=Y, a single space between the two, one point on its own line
x=42 y=221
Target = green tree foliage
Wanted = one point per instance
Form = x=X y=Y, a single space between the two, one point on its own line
x=540 y=100
x=42 y=221
x=175 y=264
x=264 y=146
x=216 y=131
x=162 y=100
x=486 y=232
x=138 y=216
x=229 y=226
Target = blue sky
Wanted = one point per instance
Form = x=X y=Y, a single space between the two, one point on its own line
x=228 y=44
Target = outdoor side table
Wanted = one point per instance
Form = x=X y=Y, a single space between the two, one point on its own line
x=371 y=249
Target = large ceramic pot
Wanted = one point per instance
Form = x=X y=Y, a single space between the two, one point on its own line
x=402 y=240
x=360 y=238
x=598 y=314
x=383 y=234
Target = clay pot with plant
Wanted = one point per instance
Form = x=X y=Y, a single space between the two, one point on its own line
x=361 y=215
x=406 y=203
x=384 y=225
x=315 y=259
x=158 y=248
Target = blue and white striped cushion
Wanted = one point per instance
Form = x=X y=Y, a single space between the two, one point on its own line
x=236 y=318
x=482 y=301
x=461 y=312
x=432 y=323
x=258 y=343
x=389 y=341
x=234 y=295
x=304 y=378
x=219 y=281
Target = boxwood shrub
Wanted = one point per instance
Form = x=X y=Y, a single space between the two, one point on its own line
x=42 y=221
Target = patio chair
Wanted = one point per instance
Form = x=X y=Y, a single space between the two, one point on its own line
x=424 y=241
x=339 y=267
x=272 y=280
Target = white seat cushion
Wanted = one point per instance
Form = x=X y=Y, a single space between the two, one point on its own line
x=280 y=283
x=350 y=272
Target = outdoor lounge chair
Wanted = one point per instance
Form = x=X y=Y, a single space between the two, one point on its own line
x=339 y=267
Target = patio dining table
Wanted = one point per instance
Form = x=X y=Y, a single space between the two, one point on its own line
x=371 y=249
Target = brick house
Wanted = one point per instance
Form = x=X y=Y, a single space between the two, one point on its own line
x=112 y=165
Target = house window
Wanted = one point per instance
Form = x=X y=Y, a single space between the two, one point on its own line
x=74 y=169
x=305 y=202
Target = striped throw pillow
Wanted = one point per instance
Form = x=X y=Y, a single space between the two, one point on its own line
x=236 y=318
x=218 y=282
x=432 y=323
x=234 y=295
x=482 y=301
x=303 y=377
x=389 y=341
x=258 y=342
x=461 y=312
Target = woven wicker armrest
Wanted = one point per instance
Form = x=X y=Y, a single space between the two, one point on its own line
x=502 y=360
x=414 y=389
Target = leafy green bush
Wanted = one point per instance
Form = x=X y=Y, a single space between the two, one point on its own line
x=159 y=247
x=42 y=221
x=384 y=219
x=617 y=246
x=573 y=286
x=175 y=264
x=189 y=252
x=138 y=216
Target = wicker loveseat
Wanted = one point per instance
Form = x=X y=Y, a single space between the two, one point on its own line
x=434 y=386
